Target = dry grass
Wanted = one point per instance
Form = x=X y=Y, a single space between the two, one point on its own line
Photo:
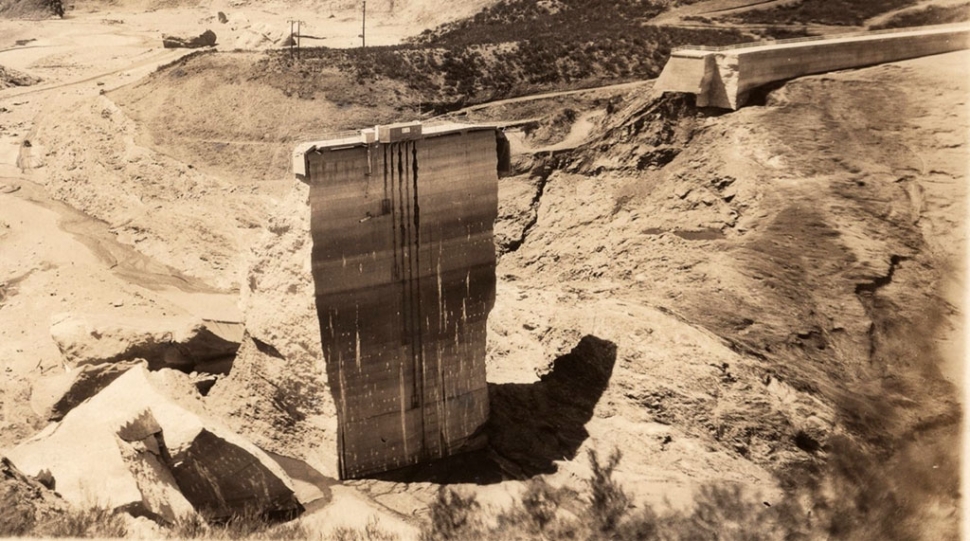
x=927 y=16
x=252 y=525
x=91 y=522
x=605 y=511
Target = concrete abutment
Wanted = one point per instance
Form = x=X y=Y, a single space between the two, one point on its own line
x=724 y=76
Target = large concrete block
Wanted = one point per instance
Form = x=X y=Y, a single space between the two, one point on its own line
x=177 y=342
x=685 y=71
x=133 y=448
x=81 y=384
x=404 y=274
x=724 y=76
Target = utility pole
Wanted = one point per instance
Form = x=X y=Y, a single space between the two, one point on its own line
x=294 y=35
x=292 y=41
x=363 y=28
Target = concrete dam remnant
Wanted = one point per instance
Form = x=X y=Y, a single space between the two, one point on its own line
x=724 y=76
x=404 y=278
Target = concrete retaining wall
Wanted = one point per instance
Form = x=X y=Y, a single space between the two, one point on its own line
x=725 y=77
x=404 y=270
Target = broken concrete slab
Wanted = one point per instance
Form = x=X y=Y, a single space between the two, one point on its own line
x=141 y=451
x=132 y=447
x=88 y=467
x=83 y=383
x=205 y=39
x=175 y=342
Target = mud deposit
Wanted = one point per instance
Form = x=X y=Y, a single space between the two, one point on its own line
x=761 y=310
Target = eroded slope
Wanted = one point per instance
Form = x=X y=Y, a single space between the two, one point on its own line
x=815 y=237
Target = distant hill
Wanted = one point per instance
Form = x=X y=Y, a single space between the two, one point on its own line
x=30 y=9
x=514 y=47
x=854 y=13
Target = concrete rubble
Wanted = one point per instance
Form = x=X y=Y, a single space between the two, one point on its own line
x=81 y=384
x=183 y=343
x=725 y=77
x=205 y=39
x=133 y=448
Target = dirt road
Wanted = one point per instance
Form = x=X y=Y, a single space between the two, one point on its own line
x=714 y=7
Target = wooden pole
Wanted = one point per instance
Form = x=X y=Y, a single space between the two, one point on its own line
x=363 y=27
x=292 y=40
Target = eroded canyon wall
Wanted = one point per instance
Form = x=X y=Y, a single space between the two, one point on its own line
x=404 y=274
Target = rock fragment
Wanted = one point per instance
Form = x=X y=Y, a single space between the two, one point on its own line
x=135 y=449
x=10 y=77
x=206 y=39
x=86 y=382
x=183 y=343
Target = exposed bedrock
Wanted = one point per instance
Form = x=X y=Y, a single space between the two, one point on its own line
x=277 y=394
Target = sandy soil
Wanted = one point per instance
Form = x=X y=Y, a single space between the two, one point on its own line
x=701 y=247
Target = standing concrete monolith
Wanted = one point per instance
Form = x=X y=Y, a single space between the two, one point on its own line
x=404 y=273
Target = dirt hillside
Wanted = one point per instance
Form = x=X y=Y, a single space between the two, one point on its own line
x=746 y=297
x=174 y=110
x=768 y=299
x=817 y=239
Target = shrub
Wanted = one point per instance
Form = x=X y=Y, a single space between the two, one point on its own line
x=372 y=532
x=846 y=12
x=56 y=7
x=927 y=16
x=608 y=502
x=541 y=503
x=191 y=526
x=249 y=524
x=514 y=48
x=454 y=516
